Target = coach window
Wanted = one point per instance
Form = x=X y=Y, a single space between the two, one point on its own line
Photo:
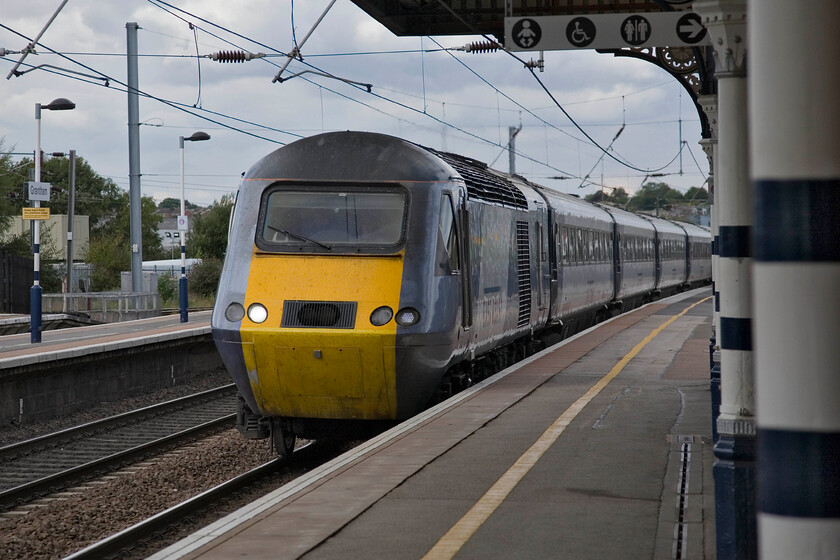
x=568 y=245
x=447 y=237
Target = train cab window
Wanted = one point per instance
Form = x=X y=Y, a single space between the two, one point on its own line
x=332 y=220
x=447 y=239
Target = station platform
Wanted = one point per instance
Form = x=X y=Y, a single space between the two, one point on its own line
x=76 y=368
x=598 y=447
x=17 y=349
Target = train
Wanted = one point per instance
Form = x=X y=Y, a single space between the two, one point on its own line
x=367 y=277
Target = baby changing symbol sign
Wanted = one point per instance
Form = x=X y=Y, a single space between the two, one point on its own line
x=635 y=30
x=526 y=33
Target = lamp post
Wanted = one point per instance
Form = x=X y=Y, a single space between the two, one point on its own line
x=60 y=104
x=183 y=227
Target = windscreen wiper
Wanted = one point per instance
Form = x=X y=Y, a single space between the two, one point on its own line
x=299 y=236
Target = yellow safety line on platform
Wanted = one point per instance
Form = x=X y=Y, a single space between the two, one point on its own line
x=449 y=545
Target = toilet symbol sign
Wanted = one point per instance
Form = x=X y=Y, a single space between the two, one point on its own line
x=605 y=31
x=527 y=33
x=635 y=30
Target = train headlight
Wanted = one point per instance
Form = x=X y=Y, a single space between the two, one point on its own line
x=234 y=312
x=381 y=316
x=257 y=312
x=407 y=316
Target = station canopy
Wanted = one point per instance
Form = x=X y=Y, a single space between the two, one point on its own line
x=471 y=17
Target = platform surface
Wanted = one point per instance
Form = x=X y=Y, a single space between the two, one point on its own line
x=599 y=447
x=17 y=349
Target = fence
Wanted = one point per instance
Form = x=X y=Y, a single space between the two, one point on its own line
x=16 y=276
x=105 y=307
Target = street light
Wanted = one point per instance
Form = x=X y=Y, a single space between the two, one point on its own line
x=183 y=226
x=60 y=104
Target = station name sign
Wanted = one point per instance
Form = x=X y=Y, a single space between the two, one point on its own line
x=39 y=191
x=605 y=31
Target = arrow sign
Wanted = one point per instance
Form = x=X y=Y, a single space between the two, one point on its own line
x=690 y=29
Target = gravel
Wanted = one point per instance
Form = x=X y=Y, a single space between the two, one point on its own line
x=60 y=527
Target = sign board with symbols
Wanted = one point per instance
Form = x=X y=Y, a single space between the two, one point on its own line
x=183 y=223
x=605 y=31
x=39 y=191
x=36 y=213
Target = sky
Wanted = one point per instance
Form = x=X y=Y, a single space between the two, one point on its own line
x=451 y=100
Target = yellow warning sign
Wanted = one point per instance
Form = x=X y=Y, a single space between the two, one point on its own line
x=36 y=213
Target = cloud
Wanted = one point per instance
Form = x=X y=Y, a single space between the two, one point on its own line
x=411 y=94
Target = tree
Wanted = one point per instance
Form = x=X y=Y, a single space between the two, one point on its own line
x=174 y=204
x=597 y=196
x=11 y=181
x=96 y=196
x=654 y=195
x=696 y=194
x=110 y=248
x=209 y=234
x=617 y=197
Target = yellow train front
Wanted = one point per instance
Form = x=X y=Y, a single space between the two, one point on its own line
x=321 y=276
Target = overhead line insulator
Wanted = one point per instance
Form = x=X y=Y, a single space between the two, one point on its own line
x=234 y=56
x=480 y=47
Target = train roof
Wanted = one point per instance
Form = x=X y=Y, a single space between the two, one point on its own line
x=350 y=156
x=570 y=205
x=628 y=221
x=370 y=156
x=665 y=226
x=696 y=232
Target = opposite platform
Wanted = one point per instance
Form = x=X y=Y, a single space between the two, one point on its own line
x=598 y=447
x=17 y=349
x=77 y=368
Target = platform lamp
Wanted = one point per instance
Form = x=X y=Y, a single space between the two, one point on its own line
x=183 y=227
x=60 y=104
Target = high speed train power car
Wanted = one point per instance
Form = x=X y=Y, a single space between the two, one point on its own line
x=367 y=276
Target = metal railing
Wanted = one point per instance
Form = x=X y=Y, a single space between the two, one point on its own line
x=105 y=307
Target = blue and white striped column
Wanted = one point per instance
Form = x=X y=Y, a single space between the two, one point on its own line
x=795 y=135
x=734 y=471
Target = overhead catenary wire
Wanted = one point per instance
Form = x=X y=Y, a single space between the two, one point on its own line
x=553 y=99
x=198 y=65
x=161 y=3
x=442 y=121
x=174 y=104
x=164 y=3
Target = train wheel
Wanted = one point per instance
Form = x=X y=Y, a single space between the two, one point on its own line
x=282 y=438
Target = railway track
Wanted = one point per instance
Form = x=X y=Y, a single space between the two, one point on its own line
x=143 y=535
x=46 y=464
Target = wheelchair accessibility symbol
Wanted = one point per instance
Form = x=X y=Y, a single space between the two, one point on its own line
x=526 y=33
x=580 y=32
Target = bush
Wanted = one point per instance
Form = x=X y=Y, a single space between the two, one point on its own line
x=204 y=277
x=168 y=289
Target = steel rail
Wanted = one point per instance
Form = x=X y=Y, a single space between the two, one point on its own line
x=81 y=430
x=131 y=536
x=65 y=478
